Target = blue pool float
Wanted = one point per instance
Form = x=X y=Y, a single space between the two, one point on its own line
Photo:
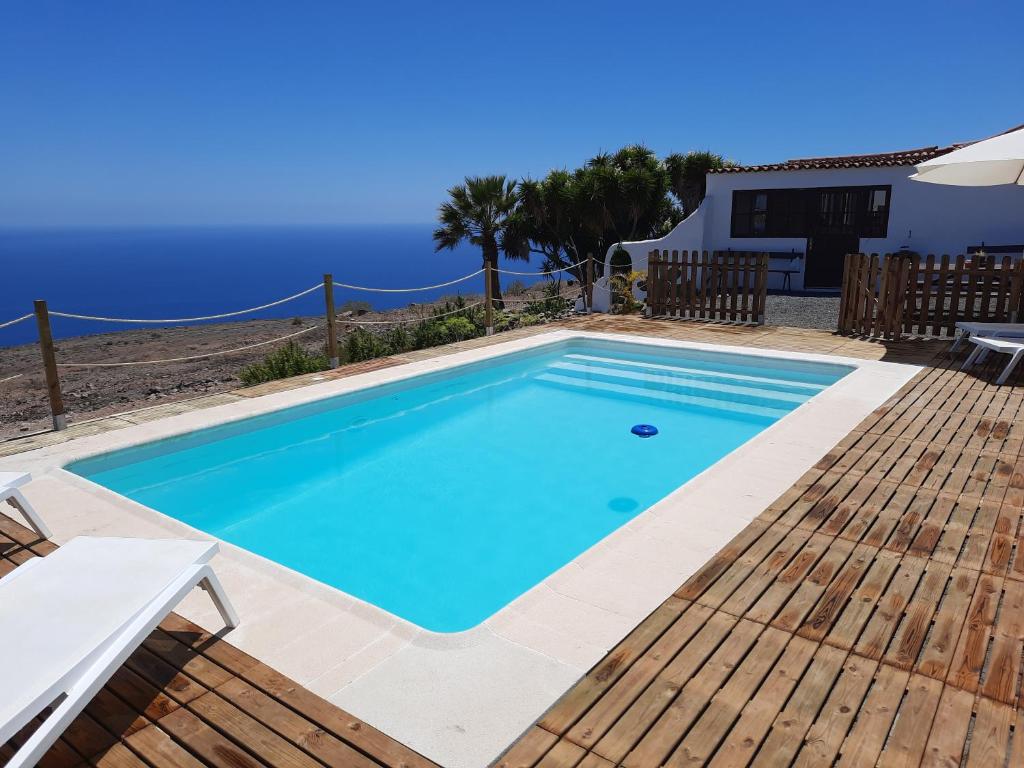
x=644 y=430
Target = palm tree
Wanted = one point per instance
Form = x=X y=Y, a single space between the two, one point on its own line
x=688 y=175
x=483 y=211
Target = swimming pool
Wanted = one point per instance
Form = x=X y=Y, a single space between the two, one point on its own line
x=443 y=497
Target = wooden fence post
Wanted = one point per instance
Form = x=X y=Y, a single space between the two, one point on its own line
x=653 y=284
x=588 y=292
x=488 y=300
x=50 y=366
x=332 y=327
x=1017 y=292
x=843 y=295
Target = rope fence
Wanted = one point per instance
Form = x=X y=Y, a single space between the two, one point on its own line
x=549 y=271
x=411 y=290
x=221 y=316
x=17 y=320
x=51 y=366
x=191 y=357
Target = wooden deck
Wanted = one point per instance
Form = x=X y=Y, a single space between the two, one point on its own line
x=872 y=615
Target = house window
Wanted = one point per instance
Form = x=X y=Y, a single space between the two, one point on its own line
x=858 y=211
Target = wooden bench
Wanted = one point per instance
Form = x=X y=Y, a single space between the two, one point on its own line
x=788 y=271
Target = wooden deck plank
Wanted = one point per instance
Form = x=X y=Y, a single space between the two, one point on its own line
x=674 y=722
x=662 y=691
x=159 y=750
x=209 y=746
x=701 y=742
x=906 y=744
x=875 y=716
x=990 y=738
x=529 y=749
x=629 y=687
x=756 y=719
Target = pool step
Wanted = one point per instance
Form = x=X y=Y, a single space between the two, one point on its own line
x=774 y=383
x=697 y=387
x=662 y=396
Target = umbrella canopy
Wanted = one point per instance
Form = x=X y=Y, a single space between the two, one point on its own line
x=999 y=160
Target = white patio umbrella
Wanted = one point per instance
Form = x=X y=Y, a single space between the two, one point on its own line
x=999 y=160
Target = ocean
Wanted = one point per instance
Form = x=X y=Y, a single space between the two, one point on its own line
x=188 y=272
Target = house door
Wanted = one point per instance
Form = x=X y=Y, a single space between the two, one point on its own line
x=826 y=254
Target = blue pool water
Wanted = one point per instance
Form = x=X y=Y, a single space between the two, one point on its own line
x=444 y=497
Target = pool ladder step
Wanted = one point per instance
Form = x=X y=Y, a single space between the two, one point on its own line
x=661 y=396
x=690 y=386
x=695 y=372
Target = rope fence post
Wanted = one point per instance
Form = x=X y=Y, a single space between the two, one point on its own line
x=488 y=299
x=588 y=292
x=50 y=365
x=332 y=328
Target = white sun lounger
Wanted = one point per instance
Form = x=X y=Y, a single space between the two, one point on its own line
x=70 y=620
x=10 y=482
x=984 y=345
x=990 y=330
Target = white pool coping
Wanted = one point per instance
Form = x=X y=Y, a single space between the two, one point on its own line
x=462 y=698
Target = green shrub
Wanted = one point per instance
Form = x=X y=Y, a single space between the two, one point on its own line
x=457 y=328
x=361 y=344
x=398 y=339
x=503 y=321
x=289 y=360
x=429 y=333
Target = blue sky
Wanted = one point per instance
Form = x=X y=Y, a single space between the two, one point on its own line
x=143 y=112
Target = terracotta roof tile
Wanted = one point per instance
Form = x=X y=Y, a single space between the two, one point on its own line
x=878 y=160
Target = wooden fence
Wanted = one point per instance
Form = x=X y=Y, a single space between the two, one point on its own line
x=897 y=294
x=723 y=286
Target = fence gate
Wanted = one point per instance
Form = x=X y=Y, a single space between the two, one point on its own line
x=723 y=286
x=898 y=294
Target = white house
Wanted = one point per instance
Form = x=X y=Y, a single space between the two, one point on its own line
x=808 y=213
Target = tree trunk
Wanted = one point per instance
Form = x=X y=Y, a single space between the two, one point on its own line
x=490 y=248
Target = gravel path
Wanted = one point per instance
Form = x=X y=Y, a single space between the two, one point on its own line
x=808 y=311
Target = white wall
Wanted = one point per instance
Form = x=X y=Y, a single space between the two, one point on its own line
x=927 y=218
x=686 y=235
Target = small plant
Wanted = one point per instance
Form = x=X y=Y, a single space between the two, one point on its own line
x=515 y=288
x=458 y=329
x=622 y=292
x=398 y=339
x=429 y=333
x=289 y=360
x=362 y=344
